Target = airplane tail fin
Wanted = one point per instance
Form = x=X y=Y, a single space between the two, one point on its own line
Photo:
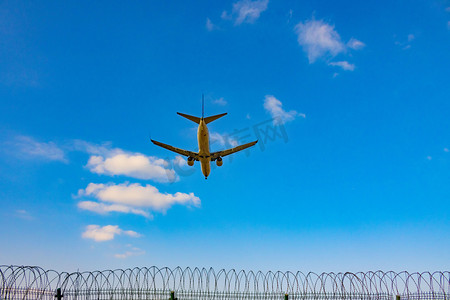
x=213 y=118
x=197 y=119
x=192 y=118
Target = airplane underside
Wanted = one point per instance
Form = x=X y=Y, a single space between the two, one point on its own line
x=204 y=156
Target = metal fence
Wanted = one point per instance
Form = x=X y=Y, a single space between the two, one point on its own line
x=23 y=282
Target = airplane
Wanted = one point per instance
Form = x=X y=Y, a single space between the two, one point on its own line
x=204 y=155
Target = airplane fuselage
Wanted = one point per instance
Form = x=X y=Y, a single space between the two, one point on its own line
x=203 y=148
x=204 y=155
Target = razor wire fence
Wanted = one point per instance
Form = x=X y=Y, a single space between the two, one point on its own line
x=26 y=282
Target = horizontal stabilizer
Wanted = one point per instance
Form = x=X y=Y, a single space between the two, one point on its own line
x=192 y=118
x=213 y=118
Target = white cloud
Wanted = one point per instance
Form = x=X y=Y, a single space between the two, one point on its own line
x=106 y=233
x=411 y=37
x=429 y=157
x=134 y=165
x=446 y=150
x=179 y=161
x=209 y=25
x=355 y=44
x=275 y=108
x=135 y=195
x=318 y=39
x=345 y=65
x=114 y=161
x=220 y=101
x=448 y=24
x=246 y=11
x=30 y=148
x=103 y=208
x=130 y=198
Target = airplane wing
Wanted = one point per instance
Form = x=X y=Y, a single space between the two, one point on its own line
x=223 y=153
x=177 y=150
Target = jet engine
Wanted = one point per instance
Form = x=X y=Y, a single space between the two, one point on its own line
x=219 y=161
x=190 y=161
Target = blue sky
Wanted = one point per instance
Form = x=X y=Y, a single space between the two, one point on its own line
x=355 y=178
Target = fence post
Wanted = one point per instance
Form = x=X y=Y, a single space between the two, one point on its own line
x=172 y=296
x=59 y=295
x=286 y=297
x=397 y=297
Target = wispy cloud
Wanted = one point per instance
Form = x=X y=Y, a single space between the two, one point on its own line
x=209 y=25
x=290 y=13
x=320 y=40
x=220 y=101
x=29 y=148
x=131 y=198
x=20 y=76
x=447 y=9
x=405 y=43
x=91 y=148
x=246 y=11
x=24 y=214
x=275 y=109
x=345 y=65
x=132 y=252
x=222 y=139
x=355 y=44
x=446 y=150
x=106 y=233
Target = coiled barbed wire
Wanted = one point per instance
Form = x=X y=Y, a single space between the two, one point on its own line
x=26 y=282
